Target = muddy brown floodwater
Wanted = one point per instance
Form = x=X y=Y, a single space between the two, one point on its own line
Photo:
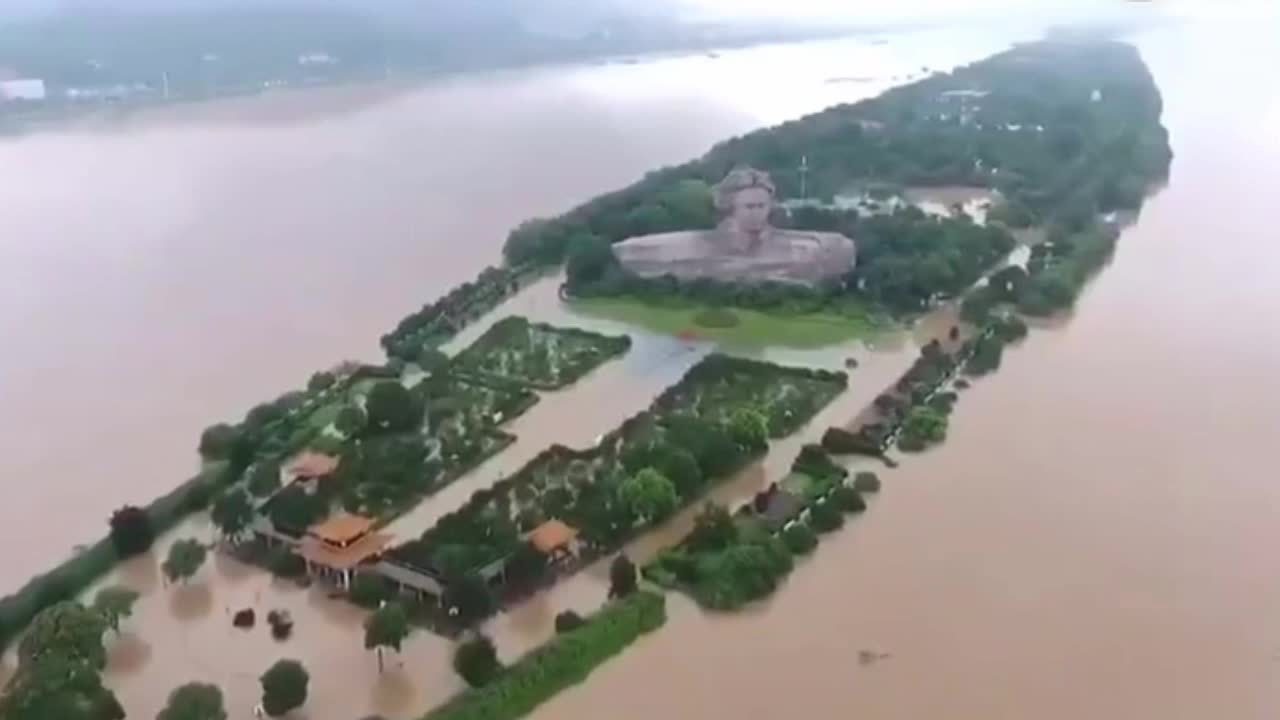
x=1095 y=537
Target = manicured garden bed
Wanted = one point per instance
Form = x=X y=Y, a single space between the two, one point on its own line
x=536 y=354
x=696 y=433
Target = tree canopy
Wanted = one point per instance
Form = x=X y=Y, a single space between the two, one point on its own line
x=387 y=627
x=622 y=577
x=115 y=603
x=392 y=408
x=232 y=512
x=184 y=560
x=131 y=531
x=69 y=630
x=284 y=687
x=476 y=660
x=648 y=495
x=194 y=701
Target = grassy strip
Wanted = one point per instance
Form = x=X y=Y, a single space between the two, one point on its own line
x=678 y=316
x=562 y=662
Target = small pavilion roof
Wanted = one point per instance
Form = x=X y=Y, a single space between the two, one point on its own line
x=552 y=535
x=341 y=529
x=343 y=558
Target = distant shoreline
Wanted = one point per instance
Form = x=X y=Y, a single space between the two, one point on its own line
x=69 y=116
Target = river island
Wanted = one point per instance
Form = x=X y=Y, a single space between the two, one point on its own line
x=1063 y=138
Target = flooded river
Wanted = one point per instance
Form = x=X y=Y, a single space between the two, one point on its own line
x=1092 y=540
x=162 y=272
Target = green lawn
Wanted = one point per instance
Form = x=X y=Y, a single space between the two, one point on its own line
x=754 y=328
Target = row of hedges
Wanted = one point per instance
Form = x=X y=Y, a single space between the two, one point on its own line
x=564 y=661
x=438 y=321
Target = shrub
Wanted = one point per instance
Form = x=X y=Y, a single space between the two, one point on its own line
x=742 y=573
x=848 y=500
x=476 y=660
x=800 y=538
x=562 y=662
x=282 y=562
x=131 y=531
x=284 y=687
x=567 y=621
x=866 y=482
x=622 y=577
x=825 y=517
x=370 y=591
x=839 y=441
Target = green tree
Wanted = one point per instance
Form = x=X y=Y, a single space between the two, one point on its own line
x=321 y=380
x=264 y=478
x=924 y=426
x=115 y=603
x=232 y=513
x=284 y=687
x=713 y=529
x=131 y=531
x=66 y=629
x=567 y=621
x=648 y=495
x=866 y=482
x=350 y=421
x=184 y=560
x=387 y=627
x=469 y=598
x=800 y=538
x=194 y=701
x=369 y=590
x=217 y=441
x=590 y=257
x=476 y=660
x=432 y=359
x=391 y=408
x=749 y=428
x=56 y=686
x=622 y=577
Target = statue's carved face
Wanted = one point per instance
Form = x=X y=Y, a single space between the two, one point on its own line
x=751 y=208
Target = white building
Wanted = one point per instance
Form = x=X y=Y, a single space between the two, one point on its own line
x=22 y=89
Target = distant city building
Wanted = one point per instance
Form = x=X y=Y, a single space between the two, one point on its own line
x=23 y=89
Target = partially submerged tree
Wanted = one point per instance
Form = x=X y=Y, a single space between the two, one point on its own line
x=131 y=531
x=232 y=513
x=622 y=577
x=194 y=701
x=114 y=604
x=68 y=630
x=185 y=559
x=284 y=687
x=476 y=660
x=386 y=628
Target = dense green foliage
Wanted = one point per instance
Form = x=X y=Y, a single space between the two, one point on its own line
x=622 y=577
x=184 y=559
x=194 y=701
x=866 y=482
x=115 y=603
x=562 y=662
x=476 y=660
x=284 y=687
x=923 y=426
x=131 y=531
x=800 y=539
x=232 y=512
x=69 y=630
x=369 y=590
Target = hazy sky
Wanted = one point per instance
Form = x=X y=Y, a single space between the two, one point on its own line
x=882 y=11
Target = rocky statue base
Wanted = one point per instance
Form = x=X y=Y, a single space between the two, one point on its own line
x=744 y=247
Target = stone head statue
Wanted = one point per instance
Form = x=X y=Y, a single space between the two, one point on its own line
x=745 y=198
